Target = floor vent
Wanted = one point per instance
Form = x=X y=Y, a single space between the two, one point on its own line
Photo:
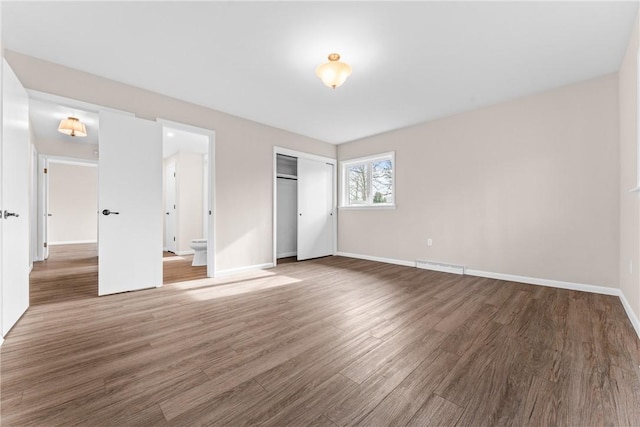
x=440 y=266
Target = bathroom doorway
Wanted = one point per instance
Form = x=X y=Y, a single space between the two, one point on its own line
x=188 y=200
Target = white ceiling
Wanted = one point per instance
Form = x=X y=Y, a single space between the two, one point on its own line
x=412 y=61
x=174 y=140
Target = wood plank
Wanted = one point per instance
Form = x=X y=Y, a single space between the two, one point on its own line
x=399 y=407
x=364 y=398
x=436 y=412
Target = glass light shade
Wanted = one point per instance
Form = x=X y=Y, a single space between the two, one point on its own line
x=72 y=126
x=334 y=72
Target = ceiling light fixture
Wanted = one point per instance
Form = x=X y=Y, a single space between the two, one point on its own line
x=72 y=126
x=334 y=72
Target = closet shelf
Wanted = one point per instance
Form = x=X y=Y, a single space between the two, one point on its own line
x=286 y=176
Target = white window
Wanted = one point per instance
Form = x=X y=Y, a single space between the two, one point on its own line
x=369 y=181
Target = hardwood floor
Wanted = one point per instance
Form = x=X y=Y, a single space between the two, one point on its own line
x=178 y=269
x=326 y=342
x=71 y=273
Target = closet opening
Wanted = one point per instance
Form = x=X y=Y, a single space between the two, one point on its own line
x=304 y=206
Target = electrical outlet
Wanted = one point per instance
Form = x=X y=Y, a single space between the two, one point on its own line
x=429 y=242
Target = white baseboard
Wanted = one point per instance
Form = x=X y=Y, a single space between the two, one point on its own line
x=545 y=282
x=378 y=259
x=232 y=271
x=71 y=242
x=439 y=266
x=630 y=314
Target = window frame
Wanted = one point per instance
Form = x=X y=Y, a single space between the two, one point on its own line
x=369 y=160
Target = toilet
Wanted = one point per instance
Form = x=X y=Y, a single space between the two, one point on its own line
x=199 y=247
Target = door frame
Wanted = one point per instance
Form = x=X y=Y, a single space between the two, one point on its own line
x=211 y=234
x=42 y=251
x=300 y=154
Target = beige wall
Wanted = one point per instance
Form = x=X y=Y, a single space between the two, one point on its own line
x=629 y=210
x=243 y=156
x=190 y=197
x=527 y=187
x=73 y=203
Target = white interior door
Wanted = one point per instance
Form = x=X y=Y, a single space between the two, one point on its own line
x=315 y=209
x=129 y=203
x=170 y=208
x=15 y=199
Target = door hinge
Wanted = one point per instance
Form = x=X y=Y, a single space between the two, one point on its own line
x=45 y=170
x=174 y=238
x=45 y=244
x=174 y=174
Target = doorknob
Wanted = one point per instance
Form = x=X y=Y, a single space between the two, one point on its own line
x=108 y=212
x=167 y=213
x=49 y=214
x=8 y=214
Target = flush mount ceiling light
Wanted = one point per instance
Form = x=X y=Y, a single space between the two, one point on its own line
x=334 y=72
x=72 y=126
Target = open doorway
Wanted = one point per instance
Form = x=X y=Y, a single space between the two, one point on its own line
x=69 y=224
x=188 y=239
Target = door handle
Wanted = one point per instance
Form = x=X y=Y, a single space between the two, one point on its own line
x=167 y=213
x=7 y=214
x=108 y=212
x=49 y=214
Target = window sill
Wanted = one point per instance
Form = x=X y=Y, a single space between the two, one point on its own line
x=366 y=207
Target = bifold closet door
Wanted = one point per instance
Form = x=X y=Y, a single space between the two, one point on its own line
x=14 y=182
x=129 y=204
x=315 y=209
